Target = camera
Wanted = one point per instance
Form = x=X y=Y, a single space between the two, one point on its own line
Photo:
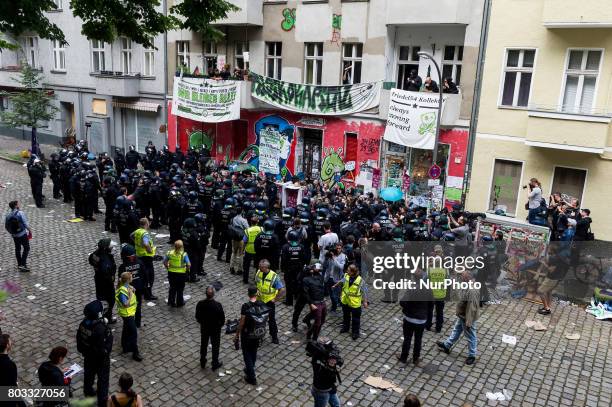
x=324 y=349
x=524 y=186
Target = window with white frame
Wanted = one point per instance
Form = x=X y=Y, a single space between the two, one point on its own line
x=581 y=75
x=31 y=50
x=59 y=55
x=148 y=62
x=58 y=4
x=274 y=61
x=98 y=56
x=210 y=56
x=408 y=59
x=126 y=55
x=241 y=48
x=351 y=63
x=313 y=62
x=518 y=73
x=451 y=64
x=182 y=54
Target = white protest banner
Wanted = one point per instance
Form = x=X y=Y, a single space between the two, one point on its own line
x=206 y=100
x=269 y=150
x=412 y=119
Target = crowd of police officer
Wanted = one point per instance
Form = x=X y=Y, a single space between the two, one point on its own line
x=240 y=215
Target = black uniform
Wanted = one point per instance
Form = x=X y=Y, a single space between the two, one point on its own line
x=225 y=243
x=191 y=241
x=37 y=173
x=293 y=260
x=103 y=262
x=110 y=193
x=95 y=343
x=54 y=172
x=267 y=246
x=131 y=159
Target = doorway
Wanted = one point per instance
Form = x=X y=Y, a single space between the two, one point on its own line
x=312 y=140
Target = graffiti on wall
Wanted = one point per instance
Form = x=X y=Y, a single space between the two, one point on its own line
x=288 y=19
x=199 y=137
x=369 y=145
x=272 y=147
x=336 y=28
x=332 y=167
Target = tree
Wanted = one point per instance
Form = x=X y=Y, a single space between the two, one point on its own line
x=31 y=104
x=106 y=20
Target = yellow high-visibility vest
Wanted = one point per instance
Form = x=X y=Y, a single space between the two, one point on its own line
x=141 y=251
x=265 y=290
x=176 y=263
x=122 y=310
x=251 y=233
x=351 y=293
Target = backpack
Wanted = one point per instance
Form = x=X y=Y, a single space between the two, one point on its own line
x=257 y=321
x=235 y=232
x=13 y=224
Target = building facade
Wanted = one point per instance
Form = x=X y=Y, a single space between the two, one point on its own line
x=112 y=95
x=341 y=42
x=545 y=108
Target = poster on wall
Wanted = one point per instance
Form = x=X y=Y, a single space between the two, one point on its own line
x=206 y=100
x=412 y=119
x=313 y=99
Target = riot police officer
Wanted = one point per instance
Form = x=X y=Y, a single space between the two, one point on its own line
x=37 y=173
x=225 y=217
x=103 y=262
x=132 y=158
x=54 y=172
x=191 y=241
x=204 y=237
x=267 y=245
x=293 y=260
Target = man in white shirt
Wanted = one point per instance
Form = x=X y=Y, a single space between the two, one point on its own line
x=325 y=241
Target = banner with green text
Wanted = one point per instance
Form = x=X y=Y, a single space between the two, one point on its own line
x=318 y=100
x=206 y=100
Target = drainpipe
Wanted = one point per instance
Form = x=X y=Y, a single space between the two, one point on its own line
x=165 y=107
x=484 y=33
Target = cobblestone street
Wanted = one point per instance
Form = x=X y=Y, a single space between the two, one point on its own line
x=542 y=369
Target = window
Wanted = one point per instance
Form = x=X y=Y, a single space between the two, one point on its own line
x=31 y=50
x=210 y=56
x=581 y=80
x=148 y=68
x=98 y=56
x=126 y=55
x=505 y=185
x=451 y=65
x=58 y=4
x=274 y=61
x=182 y=53
x=351 y=63
x=569 y=182
x=4 y=104
x=518 y=71
x=407 y=61
x=59 y=55
x=241 y=48
x=313 y=62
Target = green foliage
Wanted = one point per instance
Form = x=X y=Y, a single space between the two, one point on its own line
x=196 y=15
x=31 y=104
x=139 y=20
x=21 y=16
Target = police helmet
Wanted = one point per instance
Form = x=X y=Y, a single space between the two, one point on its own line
x=397 y=234
x=268 y=225
x=127 y=250
x=293 y=236
x=189 y=223
x=230 y=202
x=261 y=206
x=193 y=195
x=322 y=212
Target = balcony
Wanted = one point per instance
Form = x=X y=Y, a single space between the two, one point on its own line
x=569 y=14
x=420 y=12
x=450 y=109
x=567 y=131
x=117 y=84
x=250 y=13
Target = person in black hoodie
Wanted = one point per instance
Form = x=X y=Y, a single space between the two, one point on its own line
x=50 y=374
x=8 y=370
x=583 y=225
x=95 y=343
x=103 y=262
x=450 y=86
x=414 y=305
x=211 y=317
x=324 y=376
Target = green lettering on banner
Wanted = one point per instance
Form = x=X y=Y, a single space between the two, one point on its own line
x=183 y=93
x=316 y=99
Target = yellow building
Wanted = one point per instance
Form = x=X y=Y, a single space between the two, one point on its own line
x=546 y=107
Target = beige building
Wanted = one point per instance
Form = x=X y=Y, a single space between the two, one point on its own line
x=546 y=107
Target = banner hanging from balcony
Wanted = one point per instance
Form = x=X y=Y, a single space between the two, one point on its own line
x=206 y=100
x=317 y=100
x=412 y=119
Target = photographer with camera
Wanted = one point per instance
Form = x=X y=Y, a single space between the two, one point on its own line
x=314 y=296
x=534 y=199
x=251 y=330
x=325 y=362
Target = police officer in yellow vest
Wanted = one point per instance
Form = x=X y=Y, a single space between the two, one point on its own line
x=177 y=263
x=269 y=289
x=353 y=290
x=249 y=247
x=125 y=297
x=145 y=251
x=436 y=275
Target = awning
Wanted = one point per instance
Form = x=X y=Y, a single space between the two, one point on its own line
x=142 y=106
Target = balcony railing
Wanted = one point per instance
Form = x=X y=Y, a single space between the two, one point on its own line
x=117 y=83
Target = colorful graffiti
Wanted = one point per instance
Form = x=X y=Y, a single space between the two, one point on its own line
x=336 y=28
x=288 y=19
x=199 y=137
x=332 y=166
x=369 y=145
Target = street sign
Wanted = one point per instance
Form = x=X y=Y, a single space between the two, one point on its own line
x=435 y=171
x=433 y=182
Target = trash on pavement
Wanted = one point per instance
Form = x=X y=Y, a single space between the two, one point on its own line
x=150 y=304
x=539 y=326
x=573 y=336
x=530 y=324
x=509 y=339
x=504 y=395
x=31 y=297
x=381 y=383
